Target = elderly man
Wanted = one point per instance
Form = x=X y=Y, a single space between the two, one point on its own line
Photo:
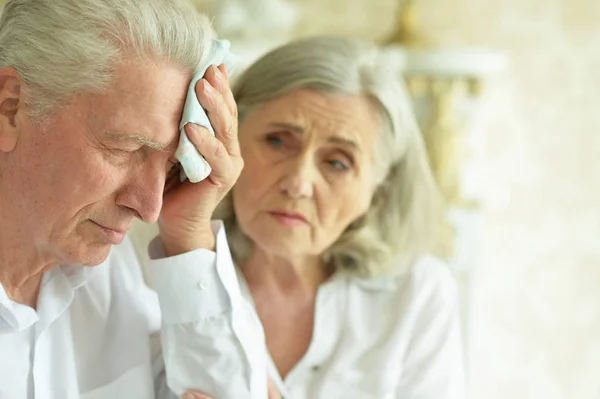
x=91 y=95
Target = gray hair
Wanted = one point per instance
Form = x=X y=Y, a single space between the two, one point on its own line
x=65 y=47
x=401 y=222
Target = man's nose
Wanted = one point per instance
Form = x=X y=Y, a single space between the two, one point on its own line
x=144 y=193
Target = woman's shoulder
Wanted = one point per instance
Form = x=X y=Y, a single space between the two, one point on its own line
x=405 y=305
x=427 y=271
x=429 y=279
x=431 y=274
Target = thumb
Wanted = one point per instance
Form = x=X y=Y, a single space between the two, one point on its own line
x=195 y=395
x=273 y=392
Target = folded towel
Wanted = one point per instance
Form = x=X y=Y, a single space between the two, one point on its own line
x=194 y=166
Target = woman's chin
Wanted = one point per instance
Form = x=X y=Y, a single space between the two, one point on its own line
x=285 y=248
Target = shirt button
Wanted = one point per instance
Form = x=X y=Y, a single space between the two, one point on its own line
x=202 y=285
x=315 y=368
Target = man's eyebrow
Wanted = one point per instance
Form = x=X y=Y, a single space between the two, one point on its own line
x=138 y=139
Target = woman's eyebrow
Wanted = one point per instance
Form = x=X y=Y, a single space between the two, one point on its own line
x=331 y=139
x=295 y=128
x=343 y=141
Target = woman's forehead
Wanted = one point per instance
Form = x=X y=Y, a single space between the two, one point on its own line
x=305 y=110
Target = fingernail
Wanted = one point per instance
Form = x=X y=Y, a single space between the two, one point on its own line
x=225 y=71
x=218 y=73
x=195 y=129
x=188 y=395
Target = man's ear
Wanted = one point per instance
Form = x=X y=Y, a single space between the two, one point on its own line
x=10 y=105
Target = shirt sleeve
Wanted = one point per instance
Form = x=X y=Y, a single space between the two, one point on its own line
x=434 y=361
x=212 y=340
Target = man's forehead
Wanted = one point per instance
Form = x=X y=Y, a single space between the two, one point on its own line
x=144 y=104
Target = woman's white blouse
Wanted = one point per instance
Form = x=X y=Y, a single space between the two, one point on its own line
x=382 y=339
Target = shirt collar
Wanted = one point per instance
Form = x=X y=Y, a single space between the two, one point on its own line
x=20 y=317
x=77 y=275
x=379 y=284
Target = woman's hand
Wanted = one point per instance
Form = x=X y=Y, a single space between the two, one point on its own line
x=195 y=395
x=273 y=394
x=184 y=221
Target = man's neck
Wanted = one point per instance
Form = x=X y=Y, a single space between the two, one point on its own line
x=21 y=267
x=27 y=294
x=21 y=273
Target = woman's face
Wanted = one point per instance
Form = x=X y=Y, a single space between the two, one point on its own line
x=308 y=170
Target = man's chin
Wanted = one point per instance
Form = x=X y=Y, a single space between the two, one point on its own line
x=90 y=255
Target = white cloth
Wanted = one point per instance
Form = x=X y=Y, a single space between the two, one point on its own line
x=95 y=334
x=193 y=165
x=387 y=338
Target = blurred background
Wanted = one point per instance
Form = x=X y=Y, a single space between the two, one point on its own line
x=508 y=95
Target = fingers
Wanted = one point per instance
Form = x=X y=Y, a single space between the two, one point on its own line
x=215 y=96
x=225 y=168
x=273 y=392
x=219 y=79
x=195 y=395
x=173 y=179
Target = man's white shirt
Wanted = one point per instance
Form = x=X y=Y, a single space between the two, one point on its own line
x=97 y=331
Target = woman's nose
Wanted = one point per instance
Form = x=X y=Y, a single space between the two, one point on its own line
x=299 y=179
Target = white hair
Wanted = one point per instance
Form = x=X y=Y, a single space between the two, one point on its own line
x=402 y=220
x=65 y=47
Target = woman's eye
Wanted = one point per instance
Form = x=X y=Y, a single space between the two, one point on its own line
x=274 y=141
x=339 y=165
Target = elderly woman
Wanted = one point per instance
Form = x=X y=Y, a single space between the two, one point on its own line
x=330 y=224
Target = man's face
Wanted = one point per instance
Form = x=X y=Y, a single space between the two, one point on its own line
x=78 y=183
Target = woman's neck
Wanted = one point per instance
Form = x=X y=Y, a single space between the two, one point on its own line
x=302 y=275
x=284 y=292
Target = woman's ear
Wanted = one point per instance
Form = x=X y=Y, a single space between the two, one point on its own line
x=10 y=103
